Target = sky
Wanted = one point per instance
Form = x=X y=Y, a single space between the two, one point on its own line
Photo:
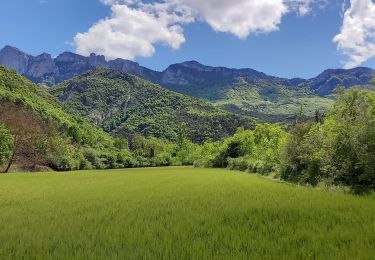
x=287 y=38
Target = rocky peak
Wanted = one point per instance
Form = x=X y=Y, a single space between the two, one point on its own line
x=124 y=65
x=41 y=65
x=14 y=58
x=43 y=56
x=8 y=48
x=97 y=60
x=193 y=65
x=69 y=57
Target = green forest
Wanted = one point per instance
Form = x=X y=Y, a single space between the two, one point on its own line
x=106 y=119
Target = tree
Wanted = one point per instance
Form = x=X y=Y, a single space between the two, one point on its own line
x=351 y=125
x=28 y=135
x=340 y=149
x=121 y=143
x=294 y=152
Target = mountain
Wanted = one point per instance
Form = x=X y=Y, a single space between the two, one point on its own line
x=327 y=81
x=253 y=93
x=49 y=71
x=196 y=78
x=241 y=91
x=123 y=103
x=43 y=69
x=245 y=91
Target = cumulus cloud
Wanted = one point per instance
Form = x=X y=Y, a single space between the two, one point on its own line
x=239 y=17
x=357 y=37
x=134 y=26
x=131 y=32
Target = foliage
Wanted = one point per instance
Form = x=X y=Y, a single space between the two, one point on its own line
x=337 y=149
x=256 y=150
x=17 y=90
x=41 y=132
x=341 y=148
x=270 y=100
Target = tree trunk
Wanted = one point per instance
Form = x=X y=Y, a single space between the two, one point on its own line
x=11 y=160
x=10 y=163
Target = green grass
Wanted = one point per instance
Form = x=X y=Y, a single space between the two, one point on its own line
x=179 y=213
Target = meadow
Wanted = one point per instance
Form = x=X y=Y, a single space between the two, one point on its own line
x=178 y=213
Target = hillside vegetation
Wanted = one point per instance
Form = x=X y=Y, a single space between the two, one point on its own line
x=38 y=133
x=270 y=102
x=178 y=213
x=41 y=131
x=123 y=103
x=268 y=98
x=333 y=149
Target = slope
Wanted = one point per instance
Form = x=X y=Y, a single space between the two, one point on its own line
x=120 y=102
x=36 y=118
x=245 y=91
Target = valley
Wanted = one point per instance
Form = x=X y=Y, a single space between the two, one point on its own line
x=187 y=129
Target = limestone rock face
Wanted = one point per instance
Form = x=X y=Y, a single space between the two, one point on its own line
x=123 y=65
x=12 y=57
x=97 y=60
x=49 y=71
x=71 y=65
x=42 y=65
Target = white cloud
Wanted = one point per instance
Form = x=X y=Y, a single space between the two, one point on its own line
x=239 y=17
x=357 y=37
x=131 y=32
x=135 y=26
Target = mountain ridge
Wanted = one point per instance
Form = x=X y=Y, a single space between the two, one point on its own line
x=44 y=69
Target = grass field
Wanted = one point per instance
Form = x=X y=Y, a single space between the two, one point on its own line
x=178 y=213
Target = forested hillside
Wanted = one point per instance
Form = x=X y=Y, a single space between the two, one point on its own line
x=123 y=103
x=38 y=132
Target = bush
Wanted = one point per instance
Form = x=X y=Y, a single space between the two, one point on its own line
x=61 y=154
x=239 y=164
x=251 y=165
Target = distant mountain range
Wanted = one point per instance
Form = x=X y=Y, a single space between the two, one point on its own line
x=242 y=91
x=50 y=71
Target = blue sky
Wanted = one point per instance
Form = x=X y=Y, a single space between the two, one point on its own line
x=301 y=45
